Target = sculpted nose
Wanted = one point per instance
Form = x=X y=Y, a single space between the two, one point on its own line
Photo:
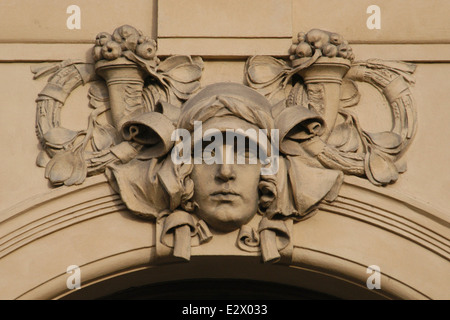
x=225 y=172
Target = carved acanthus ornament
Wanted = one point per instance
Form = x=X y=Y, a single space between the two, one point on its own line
x=139 y=101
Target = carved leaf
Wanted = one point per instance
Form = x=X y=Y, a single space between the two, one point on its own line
x=172 y=62
x=98 y=96
x=42 y=159
x=58 y=169
x=399 y=67
x=268 y=75
x=98 y=91
x=181 y=90
x=104 y=136
x=352 y=143
x=386 y=139
x=186 y=88
x=59 y=136
x=379 y=169
x=98 y=104
x=181 y=73
x=79 y=172
x=345 y=137
x=400 y=165
x=66 y=167
x=198 y=61
x=185 y=73
x=265 y=70
x=340 y=134
x=350 y=95
x=43 y=69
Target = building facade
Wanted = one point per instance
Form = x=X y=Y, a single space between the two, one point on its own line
x=91 y=205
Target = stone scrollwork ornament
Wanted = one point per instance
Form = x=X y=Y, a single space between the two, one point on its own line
x=321 y=78
x=300 y=109
x=137 y=83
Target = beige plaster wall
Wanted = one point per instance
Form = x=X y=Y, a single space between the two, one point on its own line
x=28 y=21
x=403 y=21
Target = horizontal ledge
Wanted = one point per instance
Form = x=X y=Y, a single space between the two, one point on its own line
x=37 y=52
x=47 y=41
x=405 y=52
x=218 y=47
x=244 y=47
x=222 y=48
x=245 y=37
x=351 y=42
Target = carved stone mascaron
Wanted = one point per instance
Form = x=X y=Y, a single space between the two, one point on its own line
x=138 y=101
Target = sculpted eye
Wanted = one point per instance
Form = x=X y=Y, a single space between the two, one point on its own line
x=248 y=154
x=251 y=154
x=210 y=153
x=209 y=156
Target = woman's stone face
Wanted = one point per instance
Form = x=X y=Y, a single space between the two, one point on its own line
x=226 y=194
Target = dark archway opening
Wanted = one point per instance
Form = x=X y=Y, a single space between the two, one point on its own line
x=217 y=289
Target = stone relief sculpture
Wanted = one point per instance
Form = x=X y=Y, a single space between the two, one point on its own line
x=321 y=78
x=307 y=139
x=137 y=82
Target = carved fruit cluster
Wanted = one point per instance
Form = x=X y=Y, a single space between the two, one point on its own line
x=124 y=38
x=330 y=44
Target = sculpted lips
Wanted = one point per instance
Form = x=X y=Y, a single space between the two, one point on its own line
x=224 y=195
